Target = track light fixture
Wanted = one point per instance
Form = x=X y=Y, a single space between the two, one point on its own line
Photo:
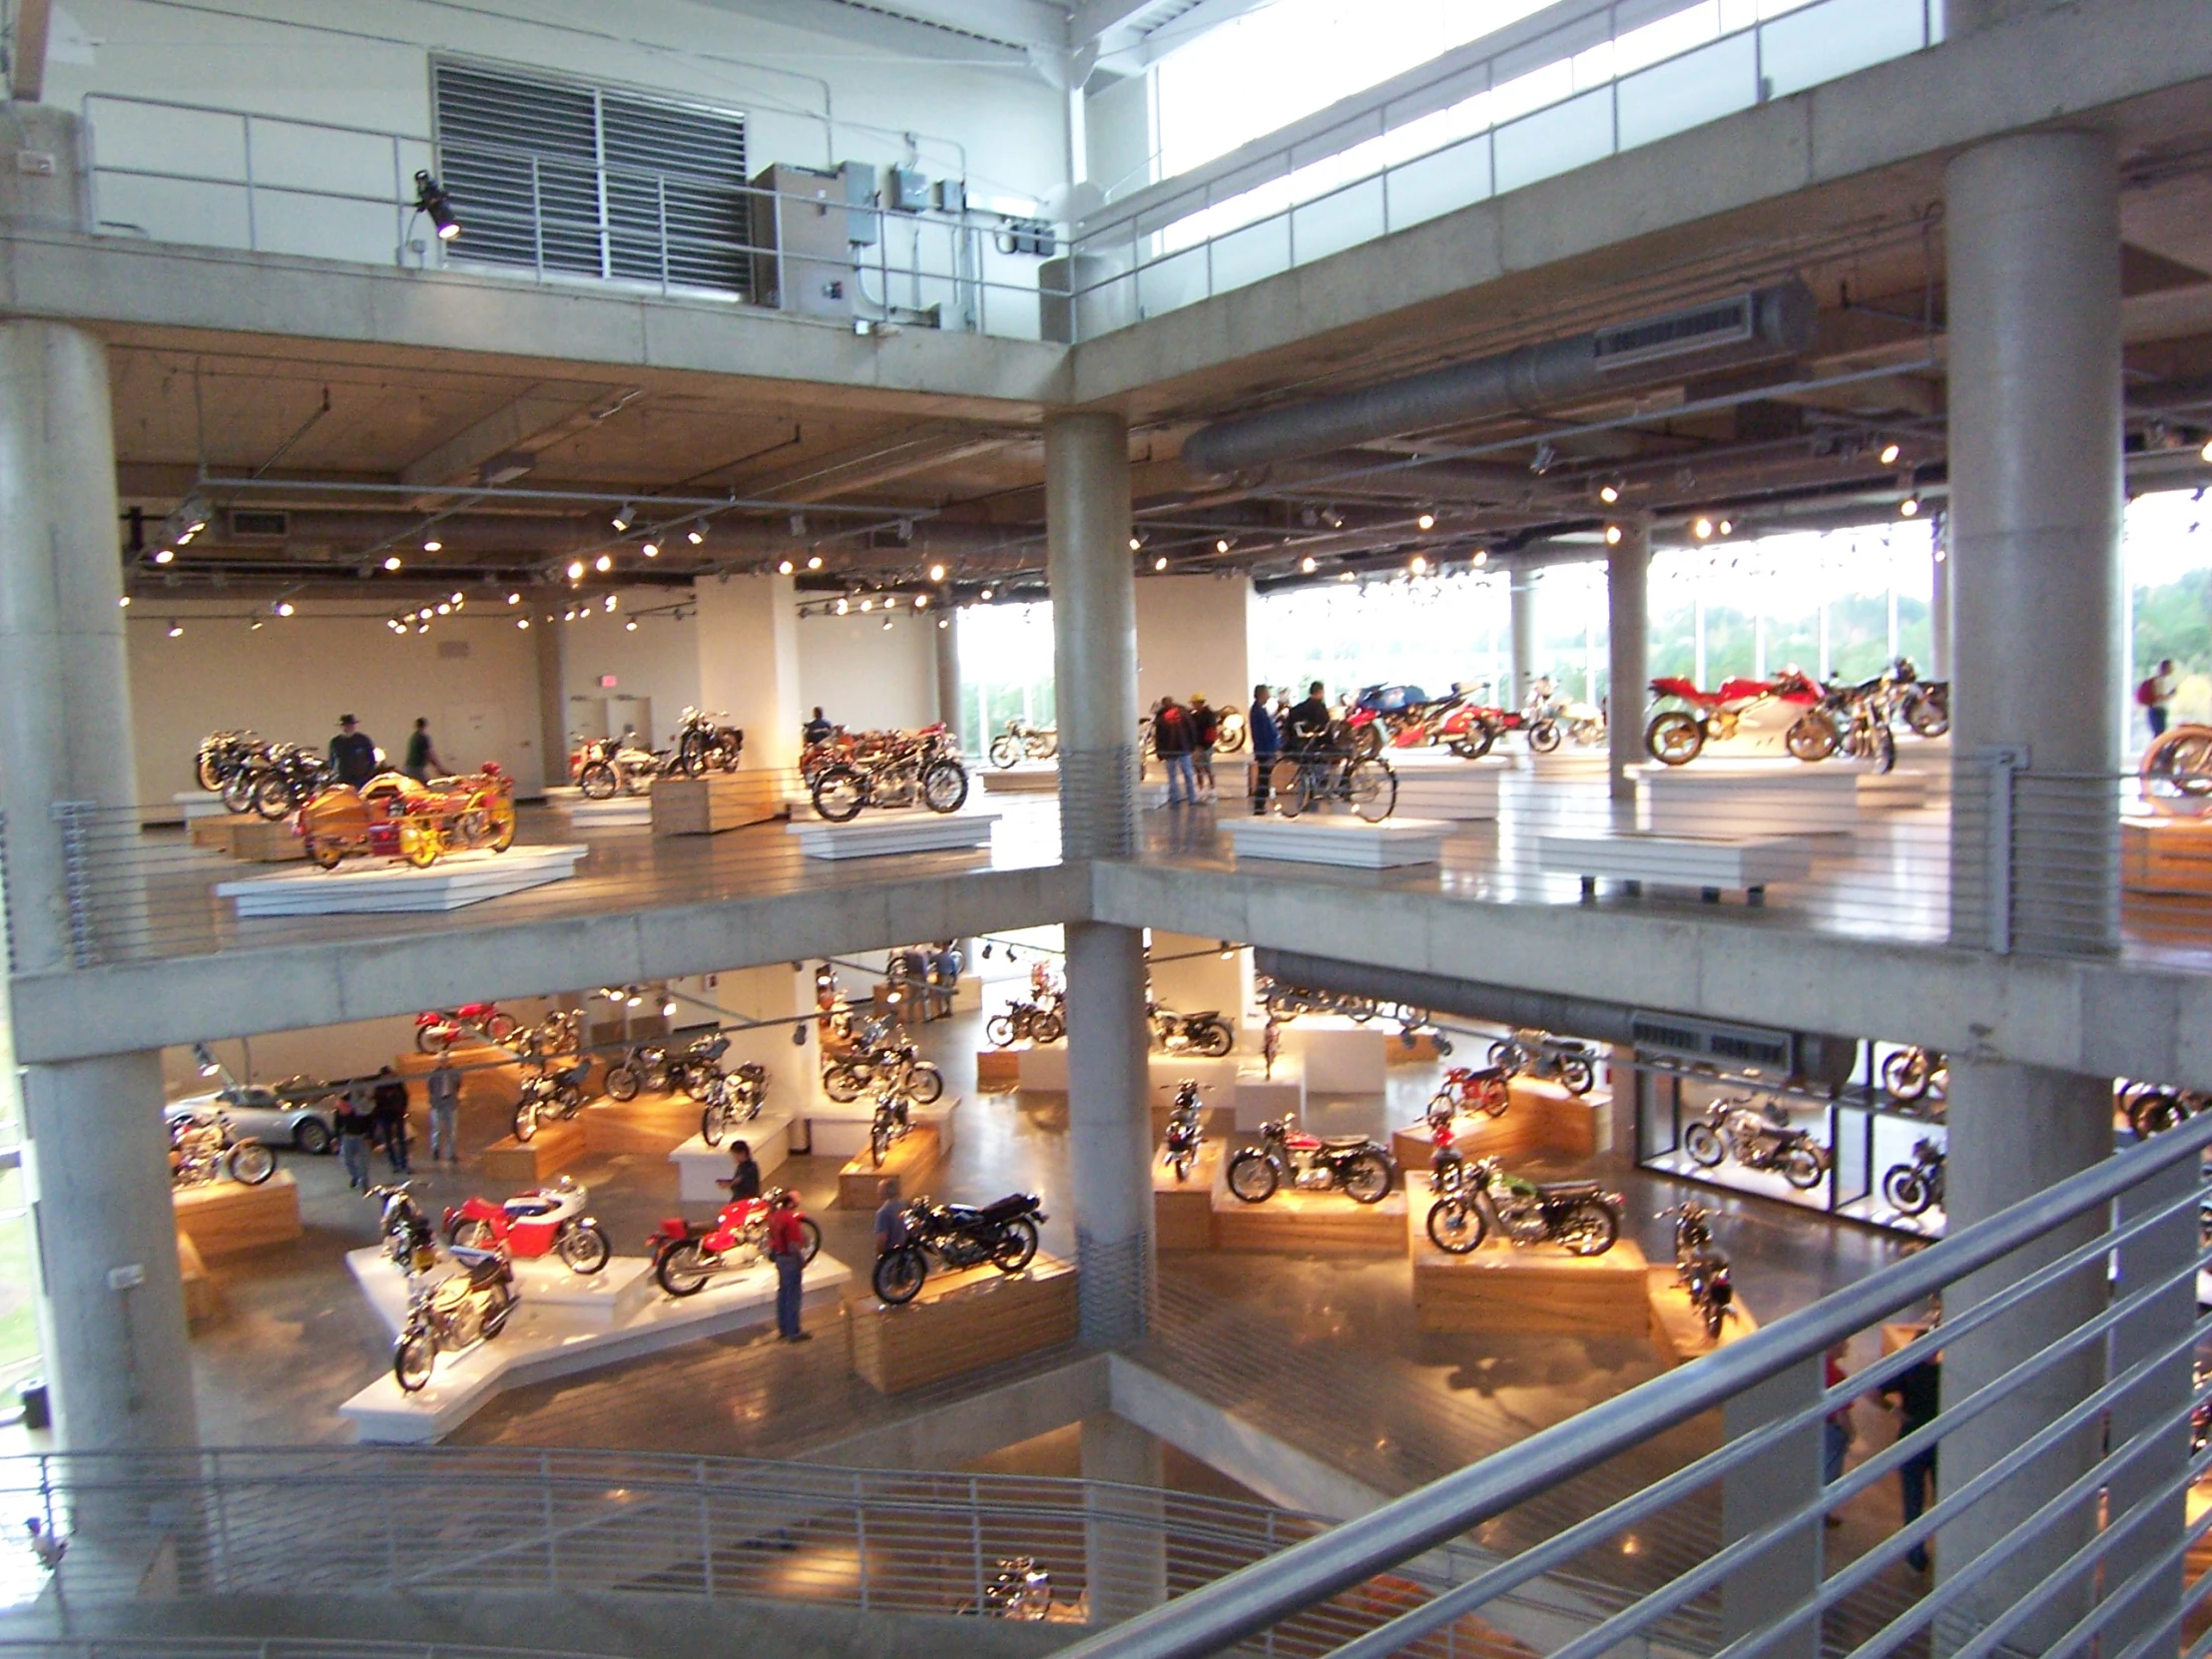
x=921 y=602
x=783 y=567
x=125 y=602
x=625 y=515
x=651 y=549
x=604 y=563
x=1909 y=507
x=936 y=573
x=944 y=622
x=815 y=562
x=986 y=593
x=514 y=599
x=1609 y=493
x=1612 y=535
x=575 y=570
x=1136 y=544
x=696 y=533
x=432 y=544
x=431 y=201
x=1889 y=454
x=523 y=623
x=166 y=555
x=1702 y=529
x=283 y=607
x=392 y=561
x=866 y=605
x=176 y=628
x=1161 y=563
x=844 y=605
x=1426 y=521
x=1220 y=544
x=1417 y=564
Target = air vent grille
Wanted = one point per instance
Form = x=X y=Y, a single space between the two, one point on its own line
x=1722 y=1044
x=259 y=524
x=1678 y=333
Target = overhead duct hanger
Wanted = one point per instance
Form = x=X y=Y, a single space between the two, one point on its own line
x=1759 y=325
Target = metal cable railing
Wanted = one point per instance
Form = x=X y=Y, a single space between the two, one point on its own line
x=265 y=1648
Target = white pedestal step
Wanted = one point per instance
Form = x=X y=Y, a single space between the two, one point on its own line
x=360 y=885
x=1260 y=1098
x=874 y=835
x=616 y=812
x=1347 y=841
x=199 y=804
x=699 y=1166
x=838 y=1130
x=1676 y=860
x=1023 y=778
x=1436 y=783
x=1774 y=797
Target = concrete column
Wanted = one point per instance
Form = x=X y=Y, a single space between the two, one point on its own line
x=1123 y=1546
x=1628 y=629
x=748 y=663
x=2033 y=241
x=552 y=649
x=1110 y=1130
x=2014 y=1131
x=948 y=674
x=1520 y=598
x=1782 y=1479
x=1094 y=630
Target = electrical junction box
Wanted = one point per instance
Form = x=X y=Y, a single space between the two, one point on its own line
x=909 y=191
x=805 y=261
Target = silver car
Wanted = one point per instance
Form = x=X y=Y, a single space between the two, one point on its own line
x=277 y=1116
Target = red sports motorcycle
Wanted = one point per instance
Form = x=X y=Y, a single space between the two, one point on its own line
x=1677 y=735
x=686 y=1255
x=548 y=1221
x=440 y=1028
x=1470 y=1090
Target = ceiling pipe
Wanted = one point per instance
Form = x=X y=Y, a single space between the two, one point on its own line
x=1759 y=325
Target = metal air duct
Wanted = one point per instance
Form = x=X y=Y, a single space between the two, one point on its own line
x=1767 y=322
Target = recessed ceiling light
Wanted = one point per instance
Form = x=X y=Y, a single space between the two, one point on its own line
x=391 y=562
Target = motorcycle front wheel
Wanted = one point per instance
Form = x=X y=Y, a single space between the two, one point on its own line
x=1001 y=1029
x=1367 y=742
x=210 y=775
x=1472 y=743
x=1456 y=1226
x=250 y=1163
x=272 y=798
x=1543 y=737
x=1905 y=1074
x=878 y=1143
x=1367 y=1178
x=1589 y=1230
x=1906 y=1191
x=411 y=1360
x=1047 y=1027
x=1005 y=750
x=1810 y=738
x=1929 y=717
x=839 y=792
x=1702 y=1142
x=526 y=1122
x=1801 y=1167
x=1251 y=1177
x=1017 y=1245
x=1575 y=1073
x=842 y=1084
x=237 y=792
x=945 y=785
x=622 y=1083
x=714 y=1122
x=1211 y=1038
x=925 y=1084
x=585 y=1247
x=1674 y=737
x=598 y=782
x=899 y=1275
x=680 y=1269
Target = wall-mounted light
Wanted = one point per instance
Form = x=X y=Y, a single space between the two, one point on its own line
x=696 y=533
x=431 y=201
x=176 y=628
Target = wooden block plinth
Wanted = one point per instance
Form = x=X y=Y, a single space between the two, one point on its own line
x=1566 y=1123
x=256 y=841
x=1542 y=1121
x=997 y=1070
x=214 y=831
x=1678 y=1328
x=655 y=1125
x=1183 y=1211
x=1421 y=1051
x=907 y=1162
x=1532 y=1289
x=526 y=1163
x=220 y=1217
x=2166 y=856
x=1326 y=1223
x=490 y=1074
x=202 y=1299
x=721 y=800
x=963 y=1321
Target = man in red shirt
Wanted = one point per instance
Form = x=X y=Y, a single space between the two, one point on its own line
x=787 y=1248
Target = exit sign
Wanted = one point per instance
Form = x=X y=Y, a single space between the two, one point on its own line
x=606 y=682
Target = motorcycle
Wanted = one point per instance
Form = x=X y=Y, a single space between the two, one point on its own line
x=454 y=1312
x=404 y=1230
x=893 y=1117
x=694 y=1068
x=731 y=1099
x=1186 y=1130
x=1350 y=1164
x=608 y=767
x=547 y=1220
x=851 y=1075
x=686 y=1255
x=1916 y=1073
x=703 y=743
x=1580 y=1215
x=1923 y=704
x=1917 y=1186
x=920 y=771
x=1204 y=1032
x=1021 y=1589
x=1854 y=720
x=642 y=1066
x=202 y=1148
x=1675 y=736
x=550 y=1094
x=1467 y=1090
x=1025 y=1022
x=959 y=1235
x=439 y=1029
x=1758 y=1139
x=221 y=756
x=1539 y=1055
x=1023 y=741
x=284 y=778
x=561 y=1033
x=1700 y=1268
x=1395 y=717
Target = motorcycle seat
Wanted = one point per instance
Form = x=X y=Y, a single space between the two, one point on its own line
x=1005 y=1209
x=484 y=1265
x=1343 y=1143
x=1567 y=1189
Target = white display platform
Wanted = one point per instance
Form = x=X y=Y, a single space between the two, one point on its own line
x=1680 y=862
x=1313 y=838
x=1260 y=1098
x=1046 y=1069
x=360 y=886
x=1768 y=797
x=841 y=1131
x=1567 y=760
x=699 y=1166
x=1436 y=783
x=200 y=804
x=554 y=1333
x=875 y=835
x=1339 y=1056
x=1023 y=778
x=616 y=812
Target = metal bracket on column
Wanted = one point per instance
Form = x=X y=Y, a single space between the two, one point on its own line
x=71 y=815
x=2001 y=764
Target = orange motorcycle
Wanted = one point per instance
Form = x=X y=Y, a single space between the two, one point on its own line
x=393 y=815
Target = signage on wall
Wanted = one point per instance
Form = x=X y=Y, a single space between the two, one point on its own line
x=606 y=682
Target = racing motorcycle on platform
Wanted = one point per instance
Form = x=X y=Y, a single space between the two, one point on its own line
x=403 y=1230
x=1699 y=1267
x=643 y=1066
x=1467 y=1089
x=1025 y=1022
x=1678 y=734
x=1539 y=1055
x=852 y=1074
x=550 y=1095
x=440 y=1028
x=457 y=1312
x=1758 y=1138
x=1186 y=1130
x=547 y=1220
x=958 y=1236
x=1849 y=719
x=687 y=1255
x=1350 y=1164
x=1580 y=1215
x=1205 y=1032
x=731 y=1098
x=1915 y=1187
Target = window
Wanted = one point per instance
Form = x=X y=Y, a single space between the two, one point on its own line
x=583 y=181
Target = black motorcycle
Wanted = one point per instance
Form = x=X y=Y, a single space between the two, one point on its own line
x=645 y=1066
x=849 y=1076
x=1536 y=1054
x=1758 y=1138
x=404 y=1230
x=704 y=744
x=694 y=1068
x=1002 y=1232
x=222 y=755
x=730 y=1099
x=1350 y=1164
x=285 y=780
x=1025 y=1022
x=1580 y=1215
x=1186 y=1130
x=1699 y=1267
x=893 y=1117
x=1205 y=1032
x=550 y=1094
x=1917 y=1186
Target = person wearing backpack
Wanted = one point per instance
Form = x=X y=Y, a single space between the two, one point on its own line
x=2155 y=695
x=1171 y=741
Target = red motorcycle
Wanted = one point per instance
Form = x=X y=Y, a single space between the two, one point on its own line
x=440 y=1028
x=1469 y=1090
x=687 y=1255
x=548 y=1221
x=1677 y=735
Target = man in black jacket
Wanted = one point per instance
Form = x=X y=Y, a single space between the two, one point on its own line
x=353 y=754
x=1308 y=723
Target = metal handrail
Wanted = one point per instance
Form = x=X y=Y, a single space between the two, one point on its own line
x=1222 y=1613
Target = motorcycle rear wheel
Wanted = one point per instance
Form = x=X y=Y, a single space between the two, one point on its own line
x=1543 y=737
x=1047 y=1027
x=469 y=1233
x=945 y=785
x=680 y=1269
x=1001 y=1029
x=325 y=855
x=211 y=773
x=1251 y=1177
x=411 y=1360
x=526 y=1121
x=622 y=1083
x=842 y=1084
x=898 y=1276
x=1005 y=750
x=1017 y=1246
x=1474 y=742
x=1929 y=717
x=585 y=1247
x=433 y=1039
x=1801 y=1167
x=1575 y=1074
x=1810 y=738
x=250 y=1163
x=1589 y=1230
x=1367 y=1178
x=1702 y=1142
x=272 y=798
x=1905 y=1074
x=1457 y=1225
x=1367 y=742
x=1907 y=1192
x=1211 y=1038
x=1673 y=739
x=238 y=789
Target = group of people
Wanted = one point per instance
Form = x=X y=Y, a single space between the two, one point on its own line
x=1184 y=739
x=787 y=1241
x=355 y=757
x=371 y=1112
x=1915 y=1395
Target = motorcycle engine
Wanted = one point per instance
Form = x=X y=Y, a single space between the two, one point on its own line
x=1319 y=1178
x=962 y=1249
x=1521 y=1218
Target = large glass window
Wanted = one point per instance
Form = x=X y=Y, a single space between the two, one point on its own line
x=1429 y=633
x=1005 y=670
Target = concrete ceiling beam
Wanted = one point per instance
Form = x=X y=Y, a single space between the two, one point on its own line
x=524 y=428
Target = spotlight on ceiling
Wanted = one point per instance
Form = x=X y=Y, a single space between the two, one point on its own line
x=921 y=602
x=1609 y=493
x=430 y=199
x=432 y=544
x=604 y=563
x=631 y=626
x=1482 y=557
x=523 y=623
x=1135 y=543
x=1309 y=564
x=815 y=562
x=125 y=602
x=514 y=599
x=1161 y=563
x=936 y=573
x=986 y=593
x=844 y=605
x=1612 y=535
x=1221 y=545
x=575 y=570
x=1728 y=527
x=283 y=607
x=944 y=622
x=784 y=567
x=609 y=603
x=255 y=626
x=166 y=555
x=1426 y=521
x=696 y=533
x=1909 y=507
x=1889 y=454
x=886 y=625
x=625 y=515
x=1702 y=529
x=392 y=561
x=868 y=605
x=2206 y=453
x=652 y=548
x=444 y=608
x=176 y=628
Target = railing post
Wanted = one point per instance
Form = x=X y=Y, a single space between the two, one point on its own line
x=2003 y=767
x=975 y=1536
x=859 y=1535
x=253 y=232
x=706 y=1533
x=84 y=949
x=1782 y=1481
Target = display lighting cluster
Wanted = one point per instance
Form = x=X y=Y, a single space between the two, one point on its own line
x=418 y=619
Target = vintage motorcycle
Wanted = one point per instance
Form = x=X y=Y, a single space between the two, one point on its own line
x=549 y=1094
x=547 y=1220
x=1917 y=1186
x=693 y=1067
x=893 y=1118
x=1021 y=1590
x=1025 y=1022
x=1541 y=1055
x=852 y=1074
x=1699 y=1266
x=1204 y=1032
x=1851 y=720
x=1923 y=704
x=731 y=1098
x=1676 y=734
x=284 y=778
x=404 y=1230
x=923 y=769
x=1757 y=1138
x=705 y=743
x=959 y=1235
x=642 y=1066
x=202 y=1148
x=221 y=756
x=1916 y=1073
x=1186 y=1130
x=1023 y=741
x=1350 y=1164
x=1468 y=1090
x=1580 y=1215
x=687 y=1255
x=453 y=1313
x=608 y=767
x=440 y=1028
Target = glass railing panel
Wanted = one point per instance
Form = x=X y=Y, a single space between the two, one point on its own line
x=1343 y=218
x=1836 y=38
x=1689 y=91
x=1256 y=251
x=1555 y=141
x=1172 y=281
x=1441 y=183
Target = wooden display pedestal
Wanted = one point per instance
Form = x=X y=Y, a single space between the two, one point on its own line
x=963 y=1321
x=1421 y=1052
x=908 y=1163
x=488 y=1074
x=1543 y=1121
x=250 y=838
x=1183 y=1211
x=1326 y=1223
x=220 y=1217
x=1678 y=1328
x=520 y=1164
x=1532 y=1290
x=2166 y=856
x=203 y=1298
x=997 y=1070
x=720 y=801
x=655 y=1125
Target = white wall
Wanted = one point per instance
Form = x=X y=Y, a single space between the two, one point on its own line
x=864 y=678
x=748 y=663
x=1193 y=637
x=295 y=675
x=659 y=662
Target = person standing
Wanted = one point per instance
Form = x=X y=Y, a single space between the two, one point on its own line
x=2158 y=696
x=787 y=1247
x=817 y=730
x=444 y=1089
x=890 y=1218
x=1919 y=1392
x=1205 y=729
x=423 y=762
x=389 y=1116
x=353 y=754
x=1835 y=1427
x=1266 y=742
x=744 y=1180
x=354 y=1124
x=1307 y=724
x=1171 y=741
